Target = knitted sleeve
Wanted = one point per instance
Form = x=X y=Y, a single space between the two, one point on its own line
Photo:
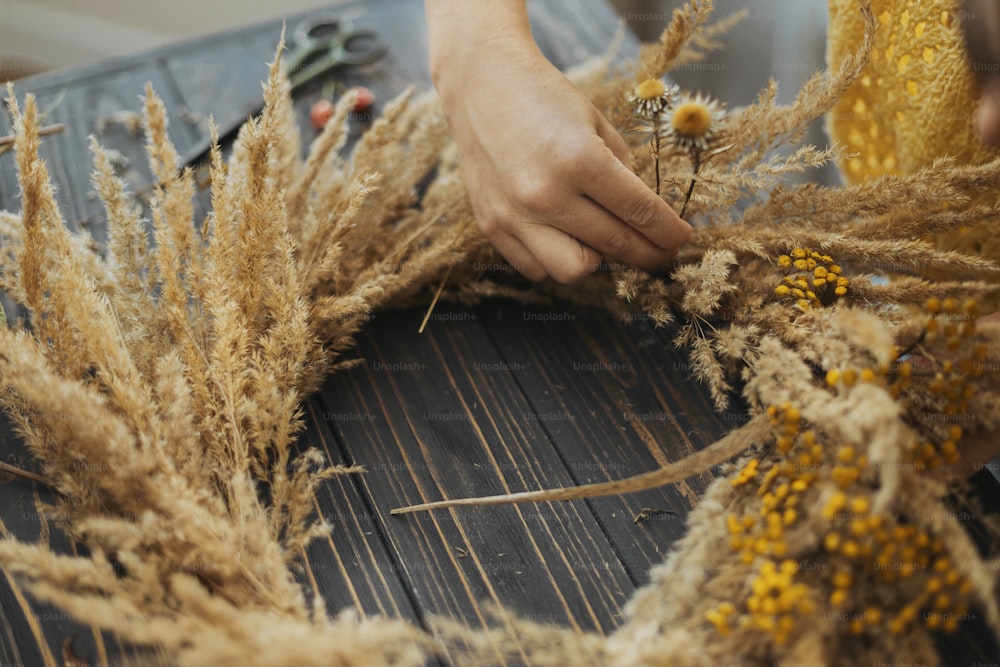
x=916 y=100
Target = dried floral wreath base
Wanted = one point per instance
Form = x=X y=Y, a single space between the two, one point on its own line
x=185 y=362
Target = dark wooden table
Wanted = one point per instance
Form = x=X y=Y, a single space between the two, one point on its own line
x=489 y=399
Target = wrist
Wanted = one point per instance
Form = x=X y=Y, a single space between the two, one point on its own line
x=466 y=36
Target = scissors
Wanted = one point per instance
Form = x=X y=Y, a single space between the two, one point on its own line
x=324 y=43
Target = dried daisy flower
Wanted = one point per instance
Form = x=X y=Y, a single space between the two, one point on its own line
x=651 y=98
x=695 y=123
x=694 y=126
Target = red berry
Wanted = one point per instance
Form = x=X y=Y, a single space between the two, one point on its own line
x=320 y=113
x=366 y=98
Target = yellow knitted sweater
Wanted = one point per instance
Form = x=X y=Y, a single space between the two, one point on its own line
x=916 y=100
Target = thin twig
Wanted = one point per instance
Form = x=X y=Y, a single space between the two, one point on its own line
x=402 y=247
x=26 y=474
x=696 y=158
x=753 y=432
x=6 y=143
x=437 y=295
x=656 y=151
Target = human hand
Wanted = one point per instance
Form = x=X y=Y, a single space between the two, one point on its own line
x=546 y=173
x=981 y=25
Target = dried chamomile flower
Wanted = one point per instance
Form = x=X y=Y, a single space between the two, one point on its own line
x=651 y=98
x=694 y=123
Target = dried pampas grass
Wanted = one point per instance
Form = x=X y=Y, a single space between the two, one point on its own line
x=159 y=385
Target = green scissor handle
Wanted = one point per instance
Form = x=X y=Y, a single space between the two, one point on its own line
x=325 y=43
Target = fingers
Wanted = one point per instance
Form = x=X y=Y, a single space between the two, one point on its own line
x=518 y=255
x=605 y=233
x=562 y=201
x=630 y=200
x=565 y=259
x=577 y=245
x=541 y=251
x=563 y=229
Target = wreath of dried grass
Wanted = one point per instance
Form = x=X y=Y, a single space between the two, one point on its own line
x=185 y=361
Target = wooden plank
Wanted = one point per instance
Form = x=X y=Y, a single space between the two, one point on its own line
x=453 y=426
x=616 y=400
x=643 y=376
x=84 y=107
x=31 y=630
x=227 y=86
x=350 y=567
x=23 y=624
x=979 y=512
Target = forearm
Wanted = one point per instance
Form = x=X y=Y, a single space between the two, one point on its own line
x=459 y=32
